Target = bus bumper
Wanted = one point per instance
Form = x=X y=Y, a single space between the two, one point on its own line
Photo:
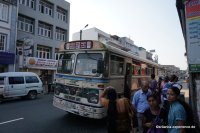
x=79 y=109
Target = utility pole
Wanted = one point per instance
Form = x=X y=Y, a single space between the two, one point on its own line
x=82 y=31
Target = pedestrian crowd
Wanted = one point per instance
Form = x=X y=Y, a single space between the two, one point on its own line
x=156 y=107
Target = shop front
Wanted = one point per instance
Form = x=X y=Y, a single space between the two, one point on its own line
x=7 y=61
x=45 y=68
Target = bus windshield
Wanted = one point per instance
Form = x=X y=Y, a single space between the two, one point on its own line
x=66 y=63
x=86 y=64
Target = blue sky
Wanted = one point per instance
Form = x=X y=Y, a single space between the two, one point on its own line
x=150 y=24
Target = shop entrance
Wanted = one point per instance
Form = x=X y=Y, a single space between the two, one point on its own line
x=47 y=78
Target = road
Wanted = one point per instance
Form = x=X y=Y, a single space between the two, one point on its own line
x=39 y=116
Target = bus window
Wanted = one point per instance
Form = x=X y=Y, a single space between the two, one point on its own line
x=106 y=63
x=117 y=64
x=143 y=71
x=86 y=63
x=149 y=71
x=138 y=70
x=66 y=63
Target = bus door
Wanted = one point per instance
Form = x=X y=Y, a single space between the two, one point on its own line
x=127 y=81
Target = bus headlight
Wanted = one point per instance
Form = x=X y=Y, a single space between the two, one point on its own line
x=93 y=98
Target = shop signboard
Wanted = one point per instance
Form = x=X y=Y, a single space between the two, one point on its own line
x=194 y=67
x=193 y=33
x=7 y=58
x=40 y=63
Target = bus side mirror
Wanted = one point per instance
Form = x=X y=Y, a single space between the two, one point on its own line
x=100 y=66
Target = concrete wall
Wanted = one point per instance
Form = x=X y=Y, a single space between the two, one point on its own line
x=37 y=16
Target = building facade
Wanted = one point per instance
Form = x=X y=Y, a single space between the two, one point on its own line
x=41 y=27
x=8 y=18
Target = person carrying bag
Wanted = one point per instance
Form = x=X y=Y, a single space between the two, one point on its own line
x=119 y=111
x=154 y=128
x=132 y=115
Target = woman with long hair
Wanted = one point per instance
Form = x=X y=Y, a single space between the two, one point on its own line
x=180 y=113
x=154 y=116
x=120 y=112
x=177 y=113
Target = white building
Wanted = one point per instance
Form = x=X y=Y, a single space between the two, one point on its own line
x=96 y=34
x=93 y=34
x=122 y=42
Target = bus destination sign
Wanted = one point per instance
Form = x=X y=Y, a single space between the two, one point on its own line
x=78 y=45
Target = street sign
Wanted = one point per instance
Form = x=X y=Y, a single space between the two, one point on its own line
x=193 y=32
x=194 y=67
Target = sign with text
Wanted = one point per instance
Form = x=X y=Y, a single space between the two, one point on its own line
x=40 y=63
x=194 y=67
x=193 y=31
x=78 y=45
x=193 y=9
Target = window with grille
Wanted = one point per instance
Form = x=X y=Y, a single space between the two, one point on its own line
x=62 y=14
x=61 y=34
x=3 y=12
x=2 y=41
x=43 y=52
x=46 y=8
x=25 y=24
x=45 y=30
x=29 y=3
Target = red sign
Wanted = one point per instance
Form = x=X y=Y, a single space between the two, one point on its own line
x=193 y=8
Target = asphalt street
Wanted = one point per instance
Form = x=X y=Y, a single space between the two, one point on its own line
x=40 y=116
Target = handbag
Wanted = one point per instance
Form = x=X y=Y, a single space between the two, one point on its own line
x=154 y=129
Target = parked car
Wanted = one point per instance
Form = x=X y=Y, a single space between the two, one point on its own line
x=23 y=84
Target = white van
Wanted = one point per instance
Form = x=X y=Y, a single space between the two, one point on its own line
x=14 y=84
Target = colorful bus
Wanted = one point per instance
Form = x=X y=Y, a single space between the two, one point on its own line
x=86 y=67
